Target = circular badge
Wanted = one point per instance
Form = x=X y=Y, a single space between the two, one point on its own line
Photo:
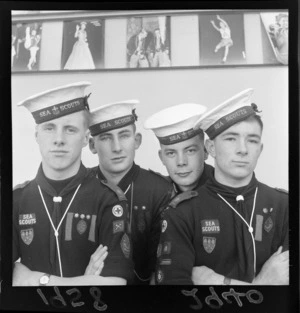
x=117 y=210
x=160 y=276
x=164 y=226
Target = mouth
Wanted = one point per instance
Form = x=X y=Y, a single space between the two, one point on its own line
x=59 y=151
x=118 y=159
x=241 y=163
x=184 y=174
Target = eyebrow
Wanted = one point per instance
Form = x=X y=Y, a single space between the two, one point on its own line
x=237 y=134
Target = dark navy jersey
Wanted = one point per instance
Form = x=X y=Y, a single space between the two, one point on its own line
x=86 y=214
x=204 y=230
x=147 y=194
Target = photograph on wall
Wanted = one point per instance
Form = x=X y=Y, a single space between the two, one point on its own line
x=148 y=42
x=83 y=45
x=222 y=39
x=276 y=29
x=25 y=46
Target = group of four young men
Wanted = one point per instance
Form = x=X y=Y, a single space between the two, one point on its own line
x=118 y=223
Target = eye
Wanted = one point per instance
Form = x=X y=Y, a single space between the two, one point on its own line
x=170 y=154
x=71 y=130
x=104 y=138
x=191 y=151
x=230 y=139
x=253 y=141
x=125 y=135
x=48 y=128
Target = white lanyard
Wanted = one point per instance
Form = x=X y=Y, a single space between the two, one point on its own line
x=57 y=199
x=250 y=228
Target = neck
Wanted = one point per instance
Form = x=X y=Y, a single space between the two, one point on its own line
x=232 y=181
x=61 y=174
x=114 y=178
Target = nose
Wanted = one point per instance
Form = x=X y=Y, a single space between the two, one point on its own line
x=116 y=147
x=181 y=159
x=242 y=147
x=59 y=137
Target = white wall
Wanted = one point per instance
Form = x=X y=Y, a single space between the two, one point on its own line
x=157 y=90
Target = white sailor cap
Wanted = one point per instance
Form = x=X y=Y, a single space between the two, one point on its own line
x=228 y=113
x=112 y=116
x=175 y=123
x=57 y=102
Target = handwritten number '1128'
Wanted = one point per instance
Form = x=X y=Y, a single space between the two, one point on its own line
x=58 y=300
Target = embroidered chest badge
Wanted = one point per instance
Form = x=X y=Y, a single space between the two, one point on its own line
x=209 y=244
x=164 y=226
x=268 y=224
x=27 y=219
x=27 y=235
x=81 y=226
x=125 y=245
x=210 y=226
x=117 y=210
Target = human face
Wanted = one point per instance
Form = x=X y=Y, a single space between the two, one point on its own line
x=116 y=150
x=236 y=152
x=61 y=141
x=184 y=161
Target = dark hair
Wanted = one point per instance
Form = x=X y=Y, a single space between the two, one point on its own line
x=257 y=118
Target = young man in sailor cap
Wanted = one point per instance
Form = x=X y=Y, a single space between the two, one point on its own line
x=182 y=152
x=235 y=229
x=115 y=140
x=65 y=220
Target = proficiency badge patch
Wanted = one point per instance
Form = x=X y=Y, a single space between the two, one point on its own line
x=160 y=276
x=117 y=210
x=118 y=226
x=209 y=244
x=165 y=262
x=167 y=247
x=159 y=247
x=268 y=224
x=125 y=245
x=164 y=226
x=27 y=235
x=81 y=226
x=27 y=219
x=210 y=226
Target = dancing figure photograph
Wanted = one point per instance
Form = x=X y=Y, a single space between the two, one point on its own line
x=226 y=40
x=80 y=57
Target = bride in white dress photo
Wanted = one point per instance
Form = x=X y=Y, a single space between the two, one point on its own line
x=80 y=57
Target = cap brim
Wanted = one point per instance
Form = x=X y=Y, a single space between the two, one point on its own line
x=236 y=98
x=134 y=102
x=83 y=84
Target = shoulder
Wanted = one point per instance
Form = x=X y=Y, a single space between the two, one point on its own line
x=156 y=176
x=277 y=193
x=21 y=186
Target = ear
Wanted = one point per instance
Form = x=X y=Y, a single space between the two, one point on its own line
x=36 y=133
x=205 y=153
x=137 y=140
x=92 y=145
x=210 y=147
x=86 y=138
x=161 y=156
x=261 y=148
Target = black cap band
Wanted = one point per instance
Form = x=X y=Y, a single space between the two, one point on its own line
x=178 y=137
x=228 y=120
x=61 y=109
x=112 y=124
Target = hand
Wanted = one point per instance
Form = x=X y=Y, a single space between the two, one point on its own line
x=23 y=276
x=275 y=271
x=96 y=263
x=202 y=275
